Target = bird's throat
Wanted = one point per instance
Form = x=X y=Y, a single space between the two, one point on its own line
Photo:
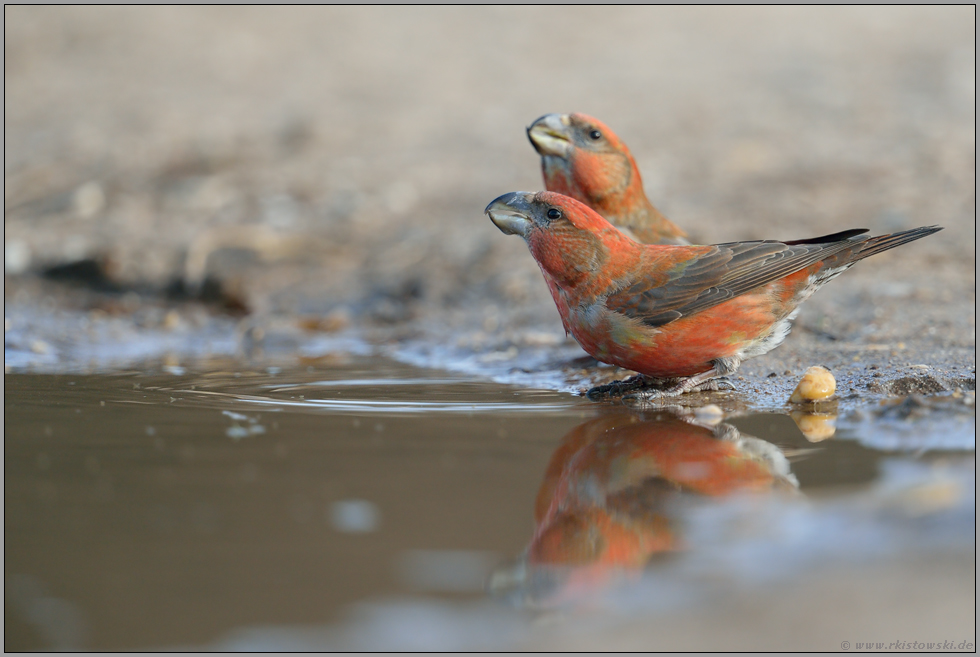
x=567 y=258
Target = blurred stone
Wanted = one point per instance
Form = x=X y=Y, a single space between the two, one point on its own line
x=16 y=256
x=40 y=347
x=171 y=320
x=279 y=210
x=88 y=200
x=335 y=320
x=541 y=339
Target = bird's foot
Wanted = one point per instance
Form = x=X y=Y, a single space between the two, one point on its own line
x=617 y=388
x=714 y=385
x=690 y=384
x=642 y=388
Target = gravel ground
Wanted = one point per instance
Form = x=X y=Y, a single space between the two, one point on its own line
x=252 y=172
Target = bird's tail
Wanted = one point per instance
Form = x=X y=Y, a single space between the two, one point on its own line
x=881 y=243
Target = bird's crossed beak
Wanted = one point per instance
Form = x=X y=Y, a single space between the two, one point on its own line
x=550 y=135
x=511 y=213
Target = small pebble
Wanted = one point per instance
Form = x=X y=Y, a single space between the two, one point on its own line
x=337 y=320
x=817 y=383
x=88 y=200
x=541 y=339
x=16 y=256
x=171 y=320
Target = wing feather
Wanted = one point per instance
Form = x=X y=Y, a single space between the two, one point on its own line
x=725 y=272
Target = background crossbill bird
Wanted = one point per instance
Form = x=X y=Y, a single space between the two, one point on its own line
x=582 y=158
x=690 y=313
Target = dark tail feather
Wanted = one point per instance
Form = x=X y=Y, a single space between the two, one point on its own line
x=881 y=243
x=834 y=237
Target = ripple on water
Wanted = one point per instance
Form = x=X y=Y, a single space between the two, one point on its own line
x=396 y=395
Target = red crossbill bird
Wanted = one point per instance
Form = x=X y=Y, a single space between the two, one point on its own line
x=690 y=314
x=582 y=158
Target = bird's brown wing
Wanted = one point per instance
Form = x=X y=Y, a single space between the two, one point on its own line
x=725 y=272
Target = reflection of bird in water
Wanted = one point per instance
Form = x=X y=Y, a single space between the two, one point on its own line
x=609 y=499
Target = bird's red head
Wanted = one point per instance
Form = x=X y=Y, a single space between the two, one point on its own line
x=569 y=240
x=582 y=158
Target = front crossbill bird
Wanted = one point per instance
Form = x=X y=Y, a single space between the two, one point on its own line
x=688 y=313
x=582 y=158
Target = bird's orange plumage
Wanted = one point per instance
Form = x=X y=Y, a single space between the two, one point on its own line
x=692 y=312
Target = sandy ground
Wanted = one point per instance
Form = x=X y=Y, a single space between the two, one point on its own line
x=333 y=164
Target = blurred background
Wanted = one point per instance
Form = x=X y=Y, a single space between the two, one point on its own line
x=334 y=162
x=294 y=196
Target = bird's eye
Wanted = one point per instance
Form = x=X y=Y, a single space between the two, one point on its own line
x=554 y=213
x=595 y=134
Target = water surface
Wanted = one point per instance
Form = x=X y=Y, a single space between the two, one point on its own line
x=371 y=505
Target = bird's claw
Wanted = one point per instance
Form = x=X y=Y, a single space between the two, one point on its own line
x=715 y=385
x=643 y=389
x=616 y=387
x=645 y=398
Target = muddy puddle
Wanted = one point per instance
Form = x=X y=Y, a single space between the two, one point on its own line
x=365 y=504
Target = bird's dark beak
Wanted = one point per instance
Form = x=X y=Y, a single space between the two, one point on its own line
x=551 y=135
x=511 y=213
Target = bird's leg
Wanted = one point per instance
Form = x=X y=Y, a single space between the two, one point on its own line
x=620 y=387
x=712 y=385
x=713 y=380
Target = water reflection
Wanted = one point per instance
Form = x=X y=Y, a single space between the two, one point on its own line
x=141 y=510
x=614 y=495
